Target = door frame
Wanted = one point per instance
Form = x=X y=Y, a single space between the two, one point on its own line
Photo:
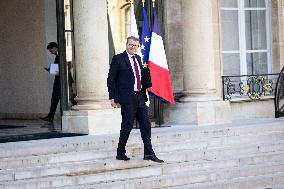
x=60 y=18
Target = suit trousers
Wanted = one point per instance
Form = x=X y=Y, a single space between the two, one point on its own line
x=55 y=97
x=136 y=108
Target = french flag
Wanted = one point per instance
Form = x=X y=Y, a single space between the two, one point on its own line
x=160 y=74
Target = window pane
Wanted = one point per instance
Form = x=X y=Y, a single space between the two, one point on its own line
x=257 y=63
x=229 y=29
x=231 y=64
x=127 y=22
x=255 y=30
x=229 y=3
x=67 y=13
x=254 y=3
x=68 y=47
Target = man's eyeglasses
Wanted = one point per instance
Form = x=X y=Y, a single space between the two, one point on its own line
x=132 y=45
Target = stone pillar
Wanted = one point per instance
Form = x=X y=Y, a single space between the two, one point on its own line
x=281 y=32
x=93 y=114
x=201 y=103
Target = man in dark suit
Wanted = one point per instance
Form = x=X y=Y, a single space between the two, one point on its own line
x=52 y=47
x=127 y=83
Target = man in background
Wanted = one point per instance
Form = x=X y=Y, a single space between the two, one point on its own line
x=52 y=47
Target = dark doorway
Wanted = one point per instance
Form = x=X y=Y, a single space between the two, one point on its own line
x=24 y=84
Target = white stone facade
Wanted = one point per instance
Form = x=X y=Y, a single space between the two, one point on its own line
x=192 y=43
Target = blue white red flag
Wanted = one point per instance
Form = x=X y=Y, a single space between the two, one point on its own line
x=145 y=40
x=160 y=74
x=134 y=32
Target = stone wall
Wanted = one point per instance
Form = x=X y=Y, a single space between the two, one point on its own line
x=252 y=109
x=24 y=84
x=173 y=42
x=280 y=17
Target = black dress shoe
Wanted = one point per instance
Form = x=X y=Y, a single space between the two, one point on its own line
x=49 y=119
x=122 y=157
x=153 y=157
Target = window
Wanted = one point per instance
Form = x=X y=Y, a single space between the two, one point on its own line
x=245 y=35
x=68 y=29
x=127 y=22
x=70 y=49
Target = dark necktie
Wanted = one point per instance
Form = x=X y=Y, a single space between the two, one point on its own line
x=137 y=73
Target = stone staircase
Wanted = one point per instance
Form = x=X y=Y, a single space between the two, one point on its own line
x=243 y=155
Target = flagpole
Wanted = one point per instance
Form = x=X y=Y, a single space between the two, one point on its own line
x=159 y=102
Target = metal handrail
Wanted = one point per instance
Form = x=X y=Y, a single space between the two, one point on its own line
x=249 y=87
x=279 y=95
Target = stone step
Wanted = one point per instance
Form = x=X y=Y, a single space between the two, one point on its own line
x=272 y=186
x=198 y=133
x=156 y=174
x=200 y=155
x=160 y=135
x=200 y=149
x=216 y=153
x=268 y=181
x=208 y=143
x=190 y=178
x=111 y=165
x=81 y=178
x=235 y=161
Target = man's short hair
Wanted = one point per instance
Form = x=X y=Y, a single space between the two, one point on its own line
x=133 y=38
x=51 y=45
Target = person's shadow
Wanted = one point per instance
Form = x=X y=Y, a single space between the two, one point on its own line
x=49 y=126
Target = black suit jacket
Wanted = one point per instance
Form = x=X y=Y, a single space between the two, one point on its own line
x=121 y=79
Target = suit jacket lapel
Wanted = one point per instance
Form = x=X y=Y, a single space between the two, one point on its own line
x=125 y=56
x=127 y=61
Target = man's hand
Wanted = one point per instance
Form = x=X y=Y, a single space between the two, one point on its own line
x=113 y=104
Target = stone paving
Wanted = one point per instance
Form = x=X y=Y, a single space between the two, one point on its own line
x=39 y=126
x=23 y=127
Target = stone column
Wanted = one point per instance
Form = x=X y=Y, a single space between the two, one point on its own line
x=201 y=103
x=281 y=32
x=93 y=114
x=198 y=48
